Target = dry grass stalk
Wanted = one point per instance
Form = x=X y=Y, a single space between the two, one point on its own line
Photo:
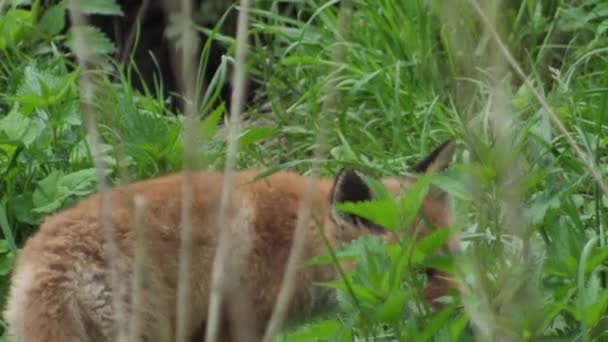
x=87 y=90
x=304 y=216
x=138 y=268
x=218 y=276
x=582 y=157
x=128 y=45
x=189 y=52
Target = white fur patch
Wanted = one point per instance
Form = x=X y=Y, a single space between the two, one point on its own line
x=22 y=281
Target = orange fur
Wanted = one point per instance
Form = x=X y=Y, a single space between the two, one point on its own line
x=60 y=289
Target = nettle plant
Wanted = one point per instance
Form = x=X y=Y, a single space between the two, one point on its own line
x=45 y=155
x=383 y=296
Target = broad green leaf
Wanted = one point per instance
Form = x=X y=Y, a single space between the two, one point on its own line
x=42 y=88
x=100 y=7
x=411 y=199
x=256 y=134
x=382 y=212
x=52 y=191
x=14 y=26
x=429 y=244
x=210 y=124
x=17 y=129
x=318 y=331
x=393 y=307
x=22 y=205
x=6 y=263
x=48 y=195
x=361 y=292
x=454 y=184
x=94 y=40
x=6 y=230
x=437 y=322
x=79 y=183
x=52 y=20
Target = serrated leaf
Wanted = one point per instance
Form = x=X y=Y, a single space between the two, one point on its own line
x=349 y=251
x=428 y=244
x=392 y=308
x=100 y=7
x=95 y=42
x=41 y=88
x=382 y=212
x=437 y=323
x=312 y=332
x=14 y=27
x=210 y=124
x=52 y=20
x=48 y=195
x=411 y=199
x=17 y=129
x=54 y=189
x=255 y=134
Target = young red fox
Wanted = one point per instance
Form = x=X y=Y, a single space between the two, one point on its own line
x=61 y=289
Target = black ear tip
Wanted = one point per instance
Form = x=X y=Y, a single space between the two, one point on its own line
x=438 y=159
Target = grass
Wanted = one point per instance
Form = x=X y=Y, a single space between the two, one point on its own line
x=384 y=83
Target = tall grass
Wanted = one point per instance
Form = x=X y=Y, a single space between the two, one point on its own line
x=521 y=85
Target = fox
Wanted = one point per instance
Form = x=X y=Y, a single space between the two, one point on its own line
x=60 y=289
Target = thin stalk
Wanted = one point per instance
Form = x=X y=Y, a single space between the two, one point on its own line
x=138 y=268
x=126 y=49
x=87 y=91
x=582 y=303
x=237 y=103
x=304 y=215
x=581 y=156
x=189 y=47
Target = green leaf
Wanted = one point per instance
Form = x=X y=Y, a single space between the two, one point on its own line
x=22 y=205
x=14 y=27
x=393 y=307
x=411 y=200
x=255 y=134
x=437 y=323
x=6 y=263
x=211 y=122
x=381 y=212
x=428 y=244
x=361 y=292
x=100 y=7
x=6 y=230
x=53 y=20
x=317 y=331
x=17 y=129
x=48 y=195
x=54 y=189
x=42 y=88
x=94 y=40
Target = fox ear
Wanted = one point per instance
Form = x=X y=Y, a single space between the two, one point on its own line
x=350 y=187
x=437 y=160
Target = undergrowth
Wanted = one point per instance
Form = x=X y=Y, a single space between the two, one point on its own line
x=530 y=218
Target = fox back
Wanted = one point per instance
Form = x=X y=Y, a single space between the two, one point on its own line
x=61 y=286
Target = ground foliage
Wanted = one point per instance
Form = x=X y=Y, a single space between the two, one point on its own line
x=410 y=74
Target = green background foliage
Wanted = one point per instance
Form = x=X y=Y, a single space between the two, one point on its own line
x=412 y=74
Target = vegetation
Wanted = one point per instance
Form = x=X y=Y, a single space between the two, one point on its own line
x=373 y=84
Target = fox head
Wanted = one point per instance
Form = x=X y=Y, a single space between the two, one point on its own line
x=350 y=186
